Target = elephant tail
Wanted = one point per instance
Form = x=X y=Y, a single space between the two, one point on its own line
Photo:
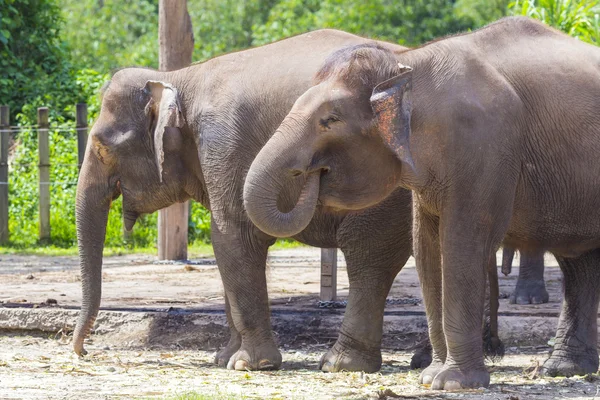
x=493 y=348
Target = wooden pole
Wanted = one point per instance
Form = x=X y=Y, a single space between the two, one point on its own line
x=82 y=131
x=328 y=274
x=44 y=173
x=4 y=142
x=176 y=44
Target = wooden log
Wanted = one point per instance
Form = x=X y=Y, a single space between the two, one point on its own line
x=44 y=174
x=328 y=274
x=82 y=131
x=176 y=44
x=4 y=143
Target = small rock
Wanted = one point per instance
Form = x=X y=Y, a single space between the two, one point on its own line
x=106 y=348
x=62 y=294
x=111 y=369
x=30 y=276
x=51 y=301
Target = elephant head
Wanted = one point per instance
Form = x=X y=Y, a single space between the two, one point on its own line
x=347 y=137
x=139 y=147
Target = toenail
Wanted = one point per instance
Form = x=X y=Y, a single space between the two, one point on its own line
x=452 y=385
x=241 y=365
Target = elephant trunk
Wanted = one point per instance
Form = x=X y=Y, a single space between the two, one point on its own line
x=94 y=196
x=265 y=181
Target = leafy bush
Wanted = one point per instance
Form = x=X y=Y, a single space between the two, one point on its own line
x=33 y=59
x=409 y=22
x=577 y=18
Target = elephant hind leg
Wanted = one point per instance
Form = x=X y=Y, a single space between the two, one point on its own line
x=575 y=351
x=531 y=288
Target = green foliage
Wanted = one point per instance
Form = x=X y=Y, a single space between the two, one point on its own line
x=409 y=22
x=106 y=34
x=222 y=26
x=478 y=13
x=33 y=60
x=23 y=172
x=577 y=18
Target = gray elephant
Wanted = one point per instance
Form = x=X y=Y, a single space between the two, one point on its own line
x=497 y=133
x=531 y=287
x=162 y=138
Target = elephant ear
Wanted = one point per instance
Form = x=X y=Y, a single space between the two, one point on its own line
x=166 y=112
x=391 y=105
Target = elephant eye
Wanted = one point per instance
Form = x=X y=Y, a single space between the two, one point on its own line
x=329 y=120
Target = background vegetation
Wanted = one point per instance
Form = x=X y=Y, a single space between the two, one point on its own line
x=57 y=53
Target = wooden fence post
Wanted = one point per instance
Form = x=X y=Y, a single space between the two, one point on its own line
x=328 y=274
x=4 y=142
x=44 y=173
x=82 y=133
x=176 y=44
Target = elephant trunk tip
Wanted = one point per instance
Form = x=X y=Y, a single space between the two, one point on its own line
x=262 y=208
x=82 y=330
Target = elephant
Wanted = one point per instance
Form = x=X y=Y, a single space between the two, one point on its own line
x=497 y=134
x=165 y=137
x=531 y=287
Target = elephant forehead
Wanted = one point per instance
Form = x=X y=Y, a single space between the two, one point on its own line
x=322 y=94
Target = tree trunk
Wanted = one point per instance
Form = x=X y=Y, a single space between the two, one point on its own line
x=176 y=44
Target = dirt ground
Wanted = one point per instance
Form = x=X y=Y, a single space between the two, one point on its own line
x=40 y=367
x=140 y=282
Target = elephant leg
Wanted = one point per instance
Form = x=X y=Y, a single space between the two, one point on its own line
x=422 y=357
x=575 y=349
x=429 y=268
x=531 y=288
x=376 y=247
x=235 y=339
x=468 y=240
x=241 y=257
x=358 y=347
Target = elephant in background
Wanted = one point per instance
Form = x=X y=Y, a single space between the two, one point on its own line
x=497 y=133
x=531 y=287
x=165 y=137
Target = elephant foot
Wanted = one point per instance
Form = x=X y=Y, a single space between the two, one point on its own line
x=422 y=357
x=529 y=292
x=429 y=373
x=351 y=357
x=223 y=355
x=452 y=378
x=257 y=358
x=568 y=365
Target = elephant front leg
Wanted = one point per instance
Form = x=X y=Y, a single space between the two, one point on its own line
x=531 y=288
x=235 y=339
x=376 y=246
x=241 y=258
x=429 y=268
x=463 y=271
x=470 y=228
x=358 y=347
x=575 y=349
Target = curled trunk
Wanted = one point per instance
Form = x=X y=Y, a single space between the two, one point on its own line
x=93 y=202
x=265 y=181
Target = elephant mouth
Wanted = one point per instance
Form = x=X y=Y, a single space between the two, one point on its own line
x=129 y=219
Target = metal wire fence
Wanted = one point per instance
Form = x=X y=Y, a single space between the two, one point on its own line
x=56 y=167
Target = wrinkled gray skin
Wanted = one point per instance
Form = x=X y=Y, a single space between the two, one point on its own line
x=497 y=134
x=531 y=287
x=162 y=138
